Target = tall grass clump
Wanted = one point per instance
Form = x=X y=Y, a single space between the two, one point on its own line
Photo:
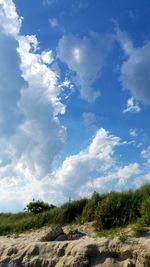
x=117 y=209
x=145 y=211
x=88 y=214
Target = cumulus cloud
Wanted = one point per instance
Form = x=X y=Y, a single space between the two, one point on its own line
x=136 y=68
x=10 y=22
x=10 y=86
x=118 y=177
x=85 y=57
x=47 y=57
x=77 y=169
x=31 y=135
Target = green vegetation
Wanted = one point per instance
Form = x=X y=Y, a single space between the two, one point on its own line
x=139 y=228
x=111 y=232
x=109 y=211
x=145 y=210
x=116 y=209
x=38 y=206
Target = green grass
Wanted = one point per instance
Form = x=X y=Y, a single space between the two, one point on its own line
x=112 y=211
x=17 y=223
x=111 y=232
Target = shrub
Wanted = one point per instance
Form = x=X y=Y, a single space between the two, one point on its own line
x=70 y=210
x=38 y=206
x=115 y=210
x=89 y=210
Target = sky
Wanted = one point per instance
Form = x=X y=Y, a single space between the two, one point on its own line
x=74 y=99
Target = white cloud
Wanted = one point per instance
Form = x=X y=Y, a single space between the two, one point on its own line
x=119 y=177
x=78 y=169
x=136 y=68
x=85 y=57
x=145 y=153
x=142 y=179
x=10 y=22
x=47 y=57
x=132 y=106
x=31 y=135
x=145 y=175
x=133 y=132
x=53 y=22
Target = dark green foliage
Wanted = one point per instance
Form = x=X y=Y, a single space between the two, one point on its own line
x=89 y=210
x=70 y=210
x=38 y=206
x=117 y=209
x=145 y=210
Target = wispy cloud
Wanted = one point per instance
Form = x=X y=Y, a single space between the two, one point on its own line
x=133 y=132
x=53 y=22
x=136 y=68
x=50 y=2
x=132 y=106
x=89 y=120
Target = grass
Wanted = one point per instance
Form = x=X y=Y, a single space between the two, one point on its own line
x=139 y=228
x=111 y=232
x=112 y=211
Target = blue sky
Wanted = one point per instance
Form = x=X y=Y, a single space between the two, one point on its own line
x=74 y=99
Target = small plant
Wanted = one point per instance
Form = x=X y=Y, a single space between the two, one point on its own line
x=79 y=220
x=139 y=228
x=123 y=237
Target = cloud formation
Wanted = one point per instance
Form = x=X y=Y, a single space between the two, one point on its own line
x=10 y=22
x=78 y=169
x=132 y=106
x=133 y=132
x=136 y=68
x=31 y=136
x=118 y=177
x=85 y=57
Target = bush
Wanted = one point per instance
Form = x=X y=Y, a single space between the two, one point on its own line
x=116 y=209
x=70 y=210
x=89 y=210
x=38 y=206
x=145 y=211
